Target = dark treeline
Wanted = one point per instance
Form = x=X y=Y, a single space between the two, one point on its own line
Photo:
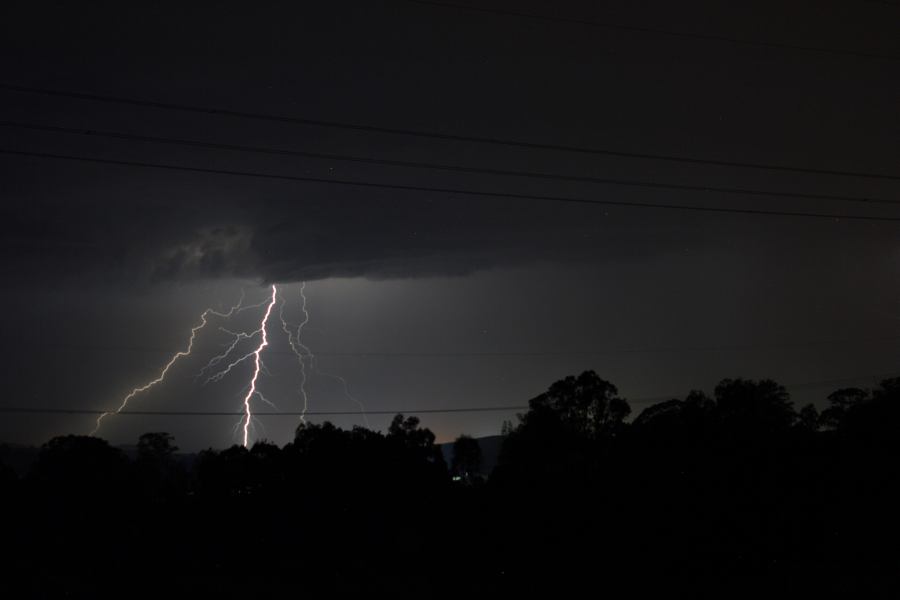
x=720 y=494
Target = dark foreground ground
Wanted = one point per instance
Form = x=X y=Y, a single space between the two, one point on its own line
x=723 y=496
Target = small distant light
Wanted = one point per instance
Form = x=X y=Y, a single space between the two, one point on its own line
x=457 y=478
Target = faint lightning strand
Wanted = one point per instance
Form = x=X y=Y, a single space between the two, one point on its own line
x=343 y=381
x=266 y=400
x=312 y=360
x=296 y=347
x=237 y=337
x=248 y=307
x=265 y=368
x=221 y=374
x=303 y=346
x=172 y=361
x=248 y=413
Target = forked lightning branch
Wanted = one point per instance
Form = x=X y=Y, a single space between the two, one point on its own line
x=229 y=359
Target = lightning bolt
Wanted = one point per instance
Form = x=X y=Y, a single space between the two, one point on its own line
x=303 y=352
x=237 y=336
x=259 y=365
x=248 y=413
x=345 y=385
x=298 y=348
x=217 y=359
x=162 y=375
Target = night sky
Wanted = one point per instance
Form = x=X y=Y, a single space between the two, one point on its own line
x=425 y=300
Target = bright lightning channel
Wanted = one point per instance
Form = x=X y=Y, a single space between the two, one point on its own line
x=248 y=413
x=172 y=361
x=300 y=349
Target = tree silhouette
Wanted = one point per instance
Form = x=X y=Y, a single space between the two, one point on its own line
x=466 y=457
x=873 y=418
x=809 y=419
x=413 y=447
x=566 y=432
x=840 y=402
x=753 y=407
x=156 y=447
x=586 y=404
x=700 y=490
x=8 y=477
x=158 y=473
x=407 y=432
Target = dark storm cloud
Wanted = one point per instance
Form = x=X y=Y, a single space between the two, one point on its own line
x=312 y=235
x=518 y=79
x=407 y=235
x=79 y=241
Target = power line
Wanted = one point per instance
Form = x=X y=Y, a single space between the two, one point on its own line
x=438 y=136
x=465 y=192
x=435 y=166
x=884 y=3
x=489 y=354
x=87 y=411
x=469 y=409
x=654 y=30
